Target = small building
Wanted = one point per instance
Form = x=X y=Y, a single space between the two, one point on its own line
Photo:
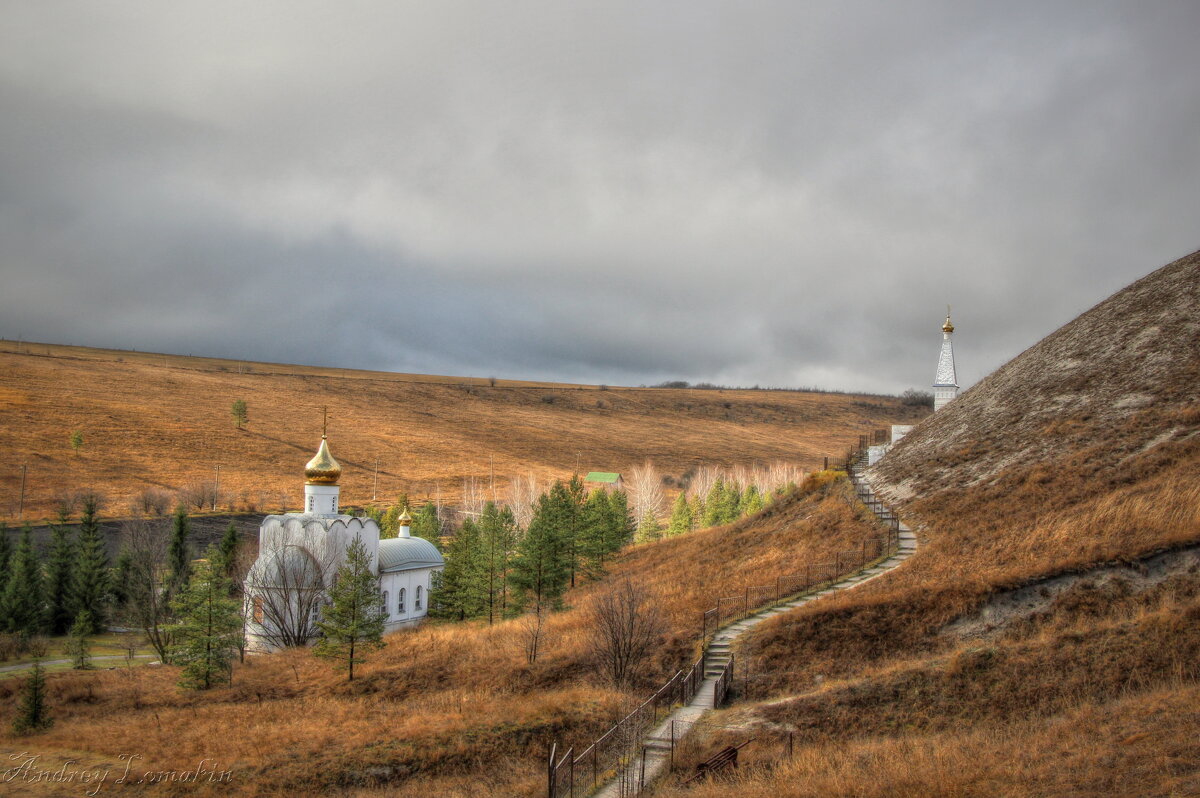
x=605 y=479
x=299 y=555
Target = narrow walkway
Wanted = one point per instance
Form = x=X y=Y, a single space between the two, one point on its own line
x=657 y=745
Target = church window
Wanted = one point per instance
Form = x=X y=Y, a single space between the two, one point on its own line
x=258 y=609
x=417 y=602
x=385 y=598
x=400 y=603
x=316 y=611
x=311 y=503
x=333 y=504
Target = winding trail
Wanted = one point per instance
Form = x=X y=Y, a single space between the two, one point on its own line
x=657 y=745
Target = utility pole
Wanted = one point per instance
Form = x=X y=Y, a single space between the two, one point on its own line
x=216 y=488
x=375 y=490
x=492 y=471
x=21 y=503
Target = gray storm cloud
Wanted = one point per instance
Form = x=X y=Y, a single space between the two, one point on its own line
x=778 y=193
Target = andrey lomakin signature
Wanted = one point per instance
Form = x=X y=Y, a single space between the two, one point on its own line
x=26 y=770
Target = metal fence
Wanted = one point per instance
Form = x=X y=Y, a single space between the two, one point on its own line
x=613 y=753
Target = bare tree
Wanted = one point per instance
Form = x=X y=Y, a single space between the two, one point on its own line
x=285 y=591
x=706 y=476
x=151 y=501
x=147 y=603
x=532 y=631
x=474 y=497
x=198 y=493
x=625 y=625
x=523 y=492
x=645 y=492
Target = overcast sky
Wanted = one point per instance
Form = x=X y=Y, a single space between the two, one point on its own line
x=783 y=193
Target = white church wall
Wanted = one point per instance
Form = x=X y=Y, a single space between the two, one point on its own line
x=408 y=581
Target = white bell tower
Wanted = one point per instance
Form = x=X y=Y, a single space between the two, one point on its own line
x=321 y=475
x=945 y=382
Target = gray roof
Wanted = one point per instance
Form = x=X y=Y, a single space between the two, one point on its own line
x=405 y=554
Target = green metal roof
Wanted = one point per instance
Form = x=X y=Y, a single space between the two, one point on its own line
x=601 y=476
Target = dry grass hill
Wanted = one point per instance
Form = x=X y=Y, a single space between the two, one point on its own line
x=1045 y=639
x=163 y=422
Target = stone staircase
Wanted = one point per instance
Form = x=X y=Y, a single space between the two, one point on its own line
x=658 y=746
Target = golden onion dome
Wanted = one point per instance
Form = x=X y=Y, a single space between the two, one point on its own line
x=323 y=469
x=405 y=519
x=947 y=327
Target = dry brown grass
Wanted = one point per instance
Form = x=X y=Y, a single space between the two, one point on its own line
x=1082 y=451
x=162 y=421
x=453 y=705
x=1134 y=745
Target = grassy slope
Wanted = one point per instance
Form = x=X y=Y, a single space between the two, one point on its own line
x=163 y=421
x=1085 y=449
x=446 y=709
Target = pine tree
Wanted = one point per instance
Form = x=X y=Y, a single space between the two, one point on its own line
x=460 y=591
x=78 y=646
x=498 y=536
x=238 y=411
x=179 y=564
x=23 y=605
x=32 y=715
x=541 y=568
x=648 y=530
x=681 y=517
x=58 y=576
x=227 y=550
x=696 y=505
x=352 y=624
x=733 y=503
x=752 y=501
x=90 y=578
x=122 y=573
x=714 y=504
x=620 y=522
x=595 y=547
x=210 y=625
x=425 y=524
x=6 y=550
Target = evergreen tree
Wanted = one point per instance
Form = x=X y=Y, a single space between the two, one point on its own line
x=78 y=646
x=571 y=510
x=122 y=573
x=179 y=563
x=6 y=550
x=353 y=623
x=752 y=501
x=620 y=523
x=31 y=714
x=460 y=591
x=681 y=517
x=596 y=545
x=733 y=503
x=58 y=576
x=89 y=580
x=210 y=624
x=541 y=568
x=227 y=550
x=714 y=504
x=425 y=524
x=648 y=530
x=23 y=605
x=498 y=536
x=696 y=506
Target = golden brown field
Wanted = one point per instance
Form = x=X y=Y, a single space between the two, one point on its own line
x=163 y=421
x=444 y=710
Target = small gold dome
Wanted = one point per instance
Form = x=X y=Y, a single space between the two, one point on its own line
x=405 y=519
x=323 y=469
x=948 y=327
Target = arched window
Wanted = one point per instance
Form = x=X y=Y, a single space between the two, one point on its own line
x=258 y=609
x=400 y=603
x=417 y=603
x=385 y=604
x=316 y=611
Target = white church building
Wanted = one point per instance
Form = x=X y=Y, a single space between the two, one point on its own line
x=299 y=555
x=945 y=390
